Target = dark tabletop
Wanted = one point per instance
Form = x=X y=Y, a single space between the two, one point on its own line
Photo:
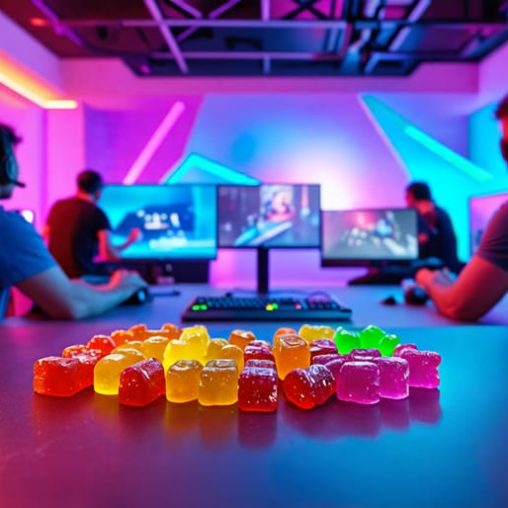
x=446 y=447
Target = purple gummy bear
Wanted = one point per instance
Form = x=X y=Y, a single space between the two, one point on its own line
x=324 y=359
x=334 y=364
x=263 y=364
x=322 y=347
x=358 y=381
x=400 y=348
x=364 y=354
x=423 y=366
x=394 y=377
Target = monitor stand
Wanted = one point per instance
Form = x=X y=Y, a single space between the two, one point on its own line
x=263 y=268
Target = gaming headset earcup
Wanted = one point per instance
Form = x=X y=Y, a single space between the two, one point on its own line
x=8 y=162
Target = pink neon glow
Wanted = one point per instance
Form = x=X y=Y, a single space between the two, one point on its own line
x=154 y=142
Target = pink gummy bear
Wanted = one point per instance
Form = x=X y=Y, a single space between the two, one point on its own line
x=423 y=366
x=358 y=381
x=394 y=377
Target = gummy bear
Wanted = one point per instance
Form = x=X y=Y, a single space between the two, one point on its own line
x=142 y=383
x=218 y=384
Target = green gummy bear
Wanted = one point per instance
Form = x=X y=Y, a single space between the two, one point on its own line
x=388 y=344
x=371 y=337
x=346 y=341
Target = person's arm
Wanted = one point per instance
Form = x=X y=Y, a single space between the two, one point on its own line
x=110 y=252
x=62 y=298
x=46 y=231
x=477 y=289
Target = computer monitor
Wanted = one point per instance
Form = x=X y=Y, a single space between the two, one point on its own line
x=269 y=216
x=481 y=209
x=369 y=237
x=177 y=222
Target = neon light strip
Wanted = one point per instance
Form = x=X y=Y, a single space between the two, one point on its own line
x=211 y=167
x=382 y=134
x=154 y=142
x=448 y=155
x=30 y=95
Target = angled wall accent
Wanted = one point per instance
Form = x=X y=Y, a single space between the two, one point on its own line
x=199 y=169
x=154 y=142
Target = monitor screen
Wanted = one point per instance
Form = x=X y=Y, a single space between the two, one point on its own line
x=363 y=236
x=176 y=221
x=481 y=209
x=269 y=216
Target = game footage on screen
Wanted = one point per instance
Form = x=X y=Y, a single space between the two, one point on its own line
x=176 y=222
x=370 y=234
x=269 y=216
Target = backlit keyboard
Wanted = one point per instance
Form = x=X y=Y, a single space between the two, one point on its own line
x=266 y=308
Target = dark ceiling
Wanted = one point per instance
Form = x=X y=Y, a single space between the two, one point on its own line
x=267 y=37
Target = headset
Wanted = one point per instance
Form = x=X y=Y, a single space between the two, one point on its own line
x=8 y=162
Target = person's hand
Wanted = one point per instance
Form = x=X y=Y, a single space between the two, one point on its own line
x=426 y=278
x=134 y=235
x=126 y=278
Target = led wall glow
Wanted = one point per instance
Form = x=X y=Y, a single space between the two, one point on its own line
x=22 y=83
x=362 y=150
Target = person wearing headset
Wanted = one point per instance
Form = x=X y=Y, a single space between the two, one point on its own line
x=26 y=263
x=484 y=280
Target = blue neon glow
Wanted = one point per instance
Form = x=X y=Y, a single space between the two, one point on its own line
x=448 y=155
x=452 y=177
x=197 y=168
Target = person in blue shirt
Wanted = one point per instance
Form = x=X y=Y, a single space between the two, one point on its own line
x=25 y=262
x=484 y=280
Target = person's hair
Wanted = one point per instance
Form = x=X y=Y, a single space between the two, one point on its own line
x=420 y=191
x=89 y=181
x=502 y=109
x=10 y=134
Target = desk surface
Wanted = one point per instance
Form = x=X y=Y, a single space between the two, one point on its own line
x=437 y=448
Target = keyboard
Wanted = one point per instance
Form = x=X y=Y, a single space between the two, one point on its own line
x=266 y=308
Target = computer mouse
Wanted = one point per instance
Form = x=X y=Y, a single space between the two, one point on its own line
x=389 y=300
x=415 y=295
x=140 y=297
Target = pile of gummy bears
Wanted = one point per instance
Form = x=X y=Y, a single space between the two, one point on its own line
x=309 y=366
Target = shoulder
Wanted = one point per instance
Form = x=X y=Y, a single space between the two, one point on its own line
x=13 y=224
x=61 y=205
x=500 y=219
x=442 y=213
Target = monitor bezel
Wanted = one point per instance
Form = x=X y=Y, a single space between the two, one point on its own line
x=345 y=262
x=269 y=247
x=164 y=259
x=470 y=200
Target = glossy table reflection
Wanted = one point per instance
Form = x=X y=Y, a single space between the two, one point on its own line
x=437 y=448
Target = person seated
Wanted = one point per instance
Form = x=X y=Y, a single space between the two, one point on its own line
x=25 y=262
x=77 y=230
x=484 y=280
x=436 y=236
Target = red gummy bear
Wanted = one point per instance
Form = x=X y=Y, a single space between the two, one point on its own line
x=258 y=352
x=59 y=377
x=142 y=383
x=103 y=343
x=258 y=388
x=310 y=387
x=322 y=347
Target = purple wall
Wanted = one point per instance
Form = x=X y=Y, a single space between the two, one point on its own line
x=328 y=139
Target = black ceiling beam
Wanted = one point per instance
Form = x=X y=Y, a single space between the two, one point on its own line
x=282 y=23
